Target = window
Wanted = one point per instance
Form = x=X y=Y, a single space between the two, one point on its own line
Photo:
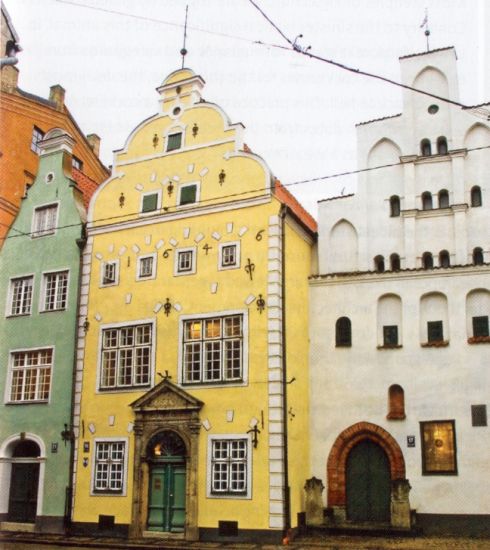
x=150 y=202
x=438 y=447
x=229 y=256
x=435 y=331
x=441 y=145
x=480 y=325
x=395 y=262
x=44 y=222
x=426 y=201
x=212 y=350
x=478 y=256
x=379 y=264
x=343 y=332
x=31 y=375
x=443 y=198
x=188 y=194
x=479 y=415
x=476 y=199
x=427 y=260
x=146 y=267
x=21 y=295
x=37 y=136
x=229 y=469
x=390 y=335
x=76 y=163
x=444 y=260
x=425 y=148
x=55 y=286
x=126 y=357
x=185 y=261
x=109 y=467
x=109 y=273
x=394 y=206
x=396 y=401
x=174 y=141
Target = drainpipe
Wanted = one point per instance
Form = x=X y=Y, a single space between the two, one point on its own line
x=11 y=58
x=287 y=502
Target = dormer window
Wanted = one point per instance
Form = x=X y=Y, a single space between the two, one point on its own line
x=425 y=148
x=442 y=145
x=174 y=141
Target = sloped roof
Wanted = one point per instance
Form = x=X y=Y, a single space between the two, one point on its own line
x=282 y=194
x=86 y=185
x=427 y=52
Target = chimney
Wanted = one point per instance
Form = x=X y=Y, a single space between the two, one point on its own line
x=9 y=79
x=94 y=142
x=57 y=95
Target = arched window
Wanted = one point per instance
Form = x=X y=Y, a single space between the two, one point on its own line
x=394 y=206
x=444 y=260
x=395 y=262
x=443 y=198
x=442 y=145
x=427 y=260
x=343 y=332
x=425 y=148
x=426 y=200
x=478 y=256
x=379 y=264
x=476 y=196
x=396 y=403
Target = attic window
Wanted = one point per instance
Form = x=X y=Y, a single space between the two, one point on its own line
x=174 y=141
x=76 y=163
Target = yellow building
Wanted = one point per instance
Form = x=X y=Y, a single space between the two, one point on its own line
x=191 y=403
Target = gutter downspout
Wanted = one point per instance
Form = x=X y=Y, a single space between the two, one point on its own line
x=11 y=58
x=287 y=504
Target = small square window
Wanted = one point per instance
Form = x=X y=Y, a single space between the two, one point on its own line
x=188 y=194
x=390 y=335
x=146 y=267
x=435 y=331
x=109 y=273
x=480 y=326
x=229 y=256
x=149 y=202
x=174 y=141
x=479 y=415
x=185 y=261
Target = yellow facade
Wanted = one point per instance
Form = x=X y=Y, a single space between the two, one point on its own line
x=190 y=240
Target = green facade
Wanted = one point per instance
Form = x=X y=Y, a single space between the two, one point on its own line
x=31 y=410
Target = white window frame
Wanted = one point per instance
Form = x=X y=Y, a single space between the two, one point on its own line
x=236 y=265
x=192 y=270
x=176 y=128
x=157 y=192
x=12 y=369
x=36 y=234
x=153 y=274
x=202 y=384
x=247 y=495
x=42 y=301
x=108 y=493
x=198 y=194
x=8 y=311
x=116 y=388
x=103 y=265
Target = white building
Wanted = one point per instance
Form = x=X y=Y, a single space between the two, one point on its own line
x=400 y=362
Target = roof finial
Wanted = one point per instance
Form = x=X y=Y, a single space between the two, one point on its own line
x=183 y=51
x=425 y=23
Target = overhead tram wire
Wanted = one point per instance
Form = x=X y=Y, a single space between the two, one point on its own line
x=135 y=215
x=294 y=47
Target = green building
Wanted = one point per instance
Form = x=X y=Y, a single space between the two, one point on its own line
x=39 y=293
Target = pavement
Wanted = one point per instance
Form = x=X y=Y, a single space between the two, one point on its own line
x=305 y=542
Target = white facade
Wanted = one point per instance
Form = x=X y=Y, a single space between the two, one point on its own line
x=442 y=374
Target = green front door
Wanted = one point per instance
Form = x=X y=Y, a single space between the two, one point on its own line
x=368 y=483
x=166 y=501
x=24 y=482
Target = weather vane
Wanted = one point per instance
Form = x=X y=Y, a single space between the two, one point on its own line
x=425 y=23
x=183 y=51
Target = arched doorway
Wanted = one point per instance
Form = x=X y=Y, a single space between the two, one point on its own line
x=166 y=454
x=368 y=483
x=24 y=482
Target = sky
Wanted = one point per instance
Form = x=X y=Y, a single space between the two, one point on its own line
x=299 y=113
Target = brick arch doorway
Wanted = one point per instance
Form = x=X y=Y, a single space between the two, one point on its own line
x=350 y=438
